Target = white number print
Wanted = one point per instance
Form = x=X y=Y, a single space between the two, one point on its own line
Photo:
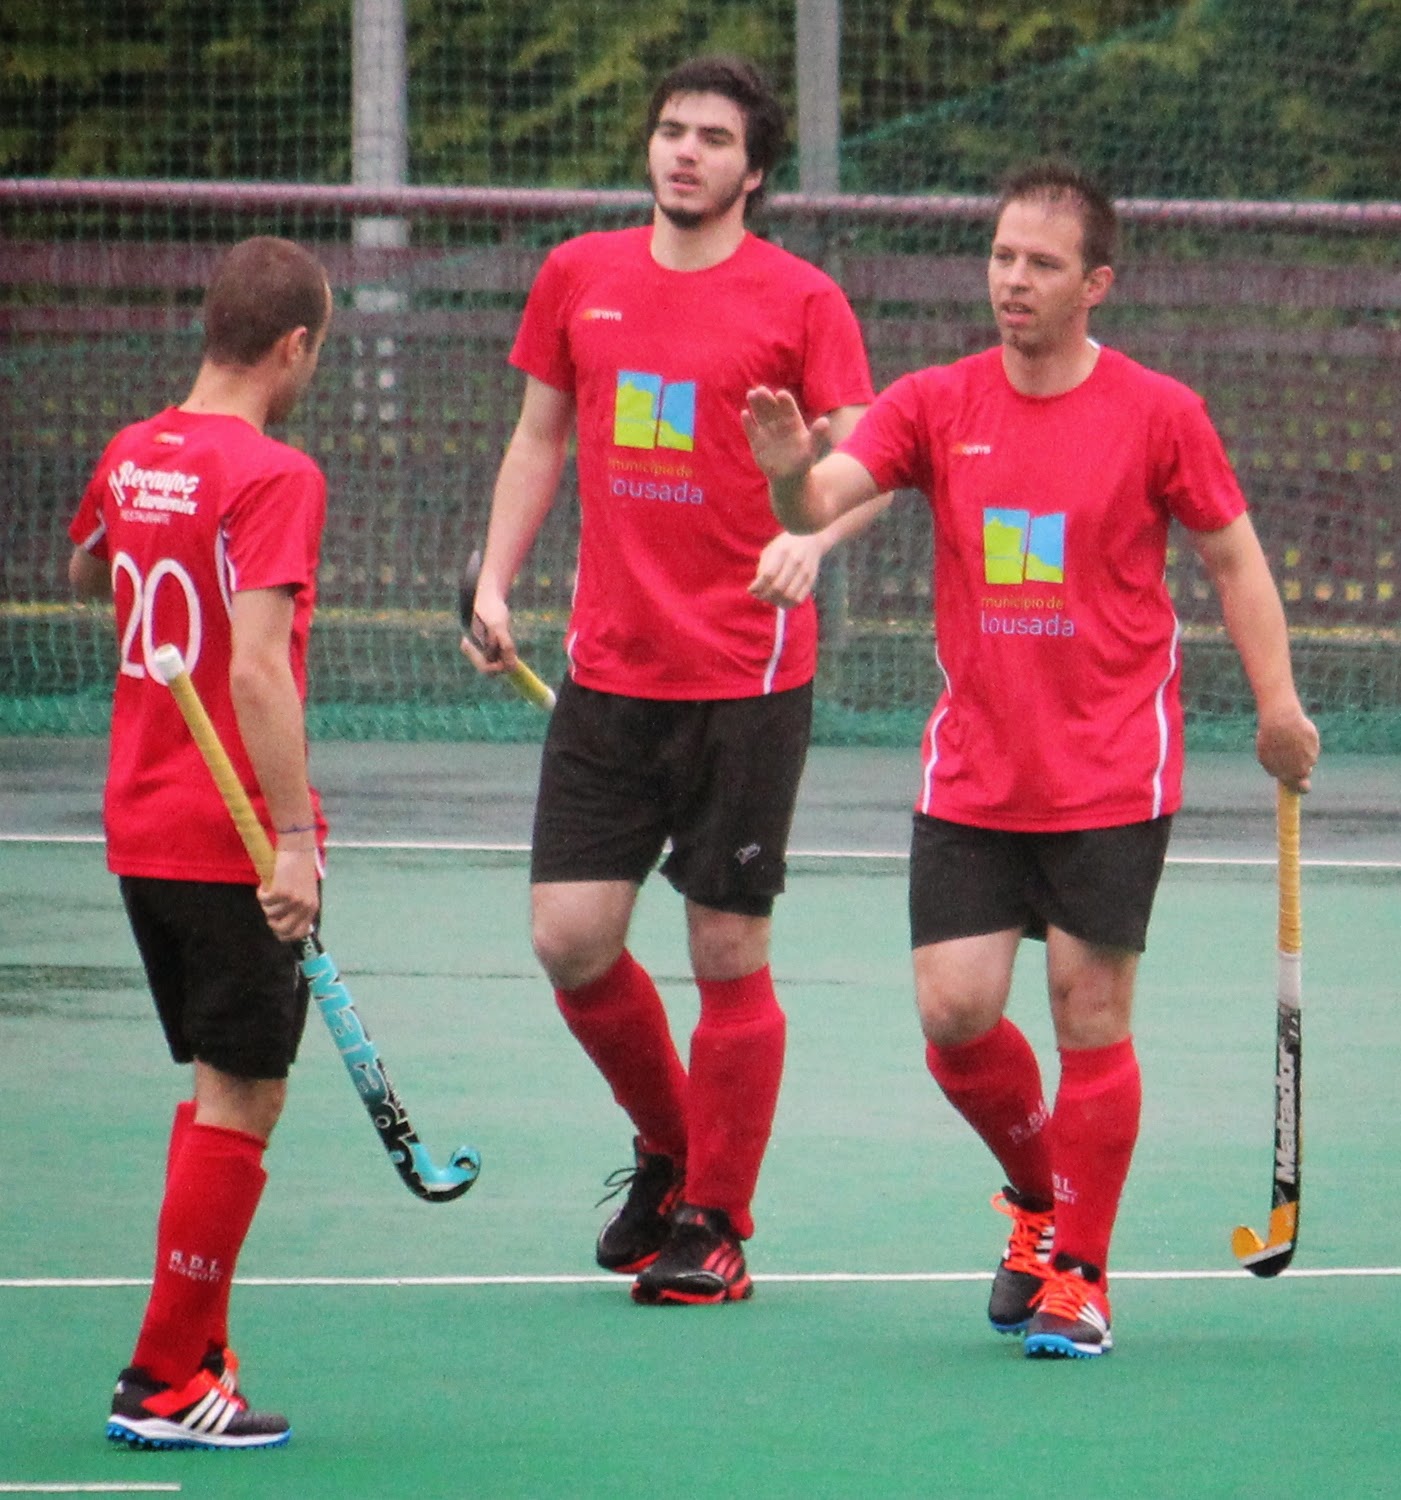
x=141 y=621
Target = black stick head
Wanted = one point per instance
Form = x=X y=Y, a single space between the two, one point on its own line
x=467 y=606
x=1273 y=1263
x=467 y=591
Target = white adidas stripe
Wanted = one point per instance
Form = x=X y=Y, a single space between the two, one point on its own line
x=213 y=1414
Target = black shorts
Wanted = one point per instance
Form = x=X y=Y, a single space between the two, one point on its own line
x=620 y=776
x=1097 y=884
x=229 y=993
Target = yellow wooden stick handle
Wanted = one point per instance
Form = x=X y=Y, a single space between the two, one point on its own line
x=530 y=687
x=170 y=668
x=1291 y=934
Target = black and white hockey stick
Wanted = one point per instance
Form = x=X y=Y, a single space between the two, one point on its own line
x=525 y=682
x=1268 y=1257
x=361 y=1057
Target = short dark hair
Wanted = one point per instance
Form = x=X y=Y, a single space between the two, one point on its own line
x=1063 y=185
x=738 y=80
x=262 y=289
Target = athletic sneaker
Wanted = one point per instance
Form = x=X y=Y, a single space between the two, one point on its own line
x=1071 y=1320
x=1026 y=1262
x=634 y=1236
x=701 y=1263
x=202 y=1413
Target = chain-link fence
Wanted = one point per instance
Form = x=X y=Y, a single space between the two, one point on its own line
x=1254 y=145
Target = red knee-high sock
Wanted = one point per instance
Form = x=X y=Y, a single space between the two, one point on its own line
x=994 y=1082
x=736 y=1068
x=180 y=1124
x=1094 y=1127
x=179 y=1130
x=620 y=1021
x=211 y=1196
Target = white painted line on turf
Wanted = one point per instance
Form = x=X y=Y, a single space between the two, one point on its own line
x=63 y=1487
x=779 y=1278
x=51 y=838
x=837 y=856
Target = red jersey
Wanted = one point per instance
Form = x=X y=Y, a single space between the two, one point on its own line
x=674 y=512
x=188 y=510
x=1057 y=638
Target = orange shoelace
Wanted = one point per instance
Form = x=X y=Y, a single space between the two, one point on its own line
x=1065 y=1294
x=1029 y=1247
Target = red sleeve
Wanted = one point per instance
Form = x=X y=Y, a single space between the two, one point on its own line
x=1194 y=475
x=88 y=528
x=836 y=371
x=272 y=532
x=891 y=441
x=542 y=348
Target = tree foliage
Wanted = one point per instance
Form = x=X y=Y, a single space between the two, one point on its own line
x=1269 y=98
x=1215 y=98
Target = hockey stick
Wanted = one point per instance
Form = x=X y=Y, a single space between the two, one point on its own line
x=1270 y=1256
x=361 y=1057
x=525 y=682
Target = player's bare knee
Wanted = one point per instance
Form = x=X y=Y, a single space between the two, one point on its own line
x=954 y=1021
x=571 y=955
x=578 y=929
x=231 y=1102
x=726 y=945
x=1092 y=1002
x=1083 y=1022
x=953 y=1014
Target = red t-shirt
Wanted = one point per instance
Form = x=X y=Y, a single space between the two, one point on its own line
x=673 y=510
x=1056 y=635
x=188 y=510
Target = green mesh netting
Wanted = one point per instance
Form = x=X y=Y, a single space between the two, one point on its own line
x=1288 y=321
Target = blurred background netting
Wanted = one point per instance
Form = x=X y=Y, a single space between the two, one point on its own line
x=430 y=152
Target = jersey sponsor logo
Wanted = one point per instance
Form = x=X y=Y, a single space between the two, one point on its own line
x=636 y=487
x=649 y=412
x=971 y=450
x=162 y=491
x=601 y=314
x=1020 y=548
x=1021 y=617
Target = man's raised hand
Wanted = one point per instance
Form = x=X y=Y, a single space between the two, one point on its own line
x=783 y=445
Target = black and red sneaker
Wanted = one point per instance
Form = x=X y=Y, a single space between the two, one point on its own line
x=1026 y=1263
x=202 y=1413
x=702 y=1262
x=634 y=1236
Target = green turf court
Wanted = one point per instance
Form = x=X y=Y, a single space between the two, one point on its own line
x=472 y=1349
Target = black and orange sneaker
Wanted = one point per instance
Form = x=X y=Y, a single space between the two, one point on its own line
x=701 y=1262
x=1071 y=1320
x=202 y=1413
x=634 y=1236
x=1026 y=1262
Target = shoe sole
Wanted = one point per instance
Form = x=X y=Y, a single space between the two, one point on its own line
x=1057 y=1346
x=1010 y=1327
x=169 y=1435
x=740 y=1291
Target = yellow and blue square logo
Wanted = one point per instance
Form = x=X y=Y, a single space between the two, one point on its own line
x=649 y=412
x=1019 y=547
